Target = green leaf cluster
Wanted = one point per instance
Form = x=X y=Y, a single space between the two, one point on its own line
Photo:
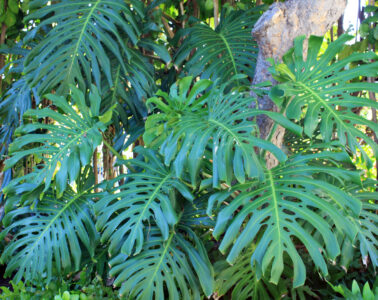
x=195 y=212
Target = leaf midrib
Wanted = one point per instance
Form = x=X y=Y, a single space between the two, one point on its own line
x=275 y=207
x=58 y=154
x=114 y=94
x=81 y=37
x=323 y=102
x=52 y=221
x=228 y=130
x=151 y=198
x=230 y=54
x=168 y=244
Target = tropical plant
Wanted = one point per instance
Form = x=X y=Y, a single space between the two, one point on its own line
x=69 y=141
x=224 y=52
x=138 y=161
x=187 y=125
x=355 y=293
x=323 y=88
x=68 y=290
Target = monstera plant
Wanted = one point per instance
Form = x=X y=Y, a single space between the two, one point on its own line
x=194 y=211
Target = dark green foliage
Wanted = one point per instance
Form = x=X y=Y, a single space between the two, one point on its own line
x=272 y=212
x=367 y=227
x=195 y=212
x=70 y=142
x=224 y=52
x=51 y=238
x=189 y=127
x=323 y=85
x=180 y=264
x=147 y=196
x=70 y=53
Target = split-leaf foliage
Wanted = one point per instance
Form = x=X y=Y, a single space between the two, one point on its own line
x=197 y=212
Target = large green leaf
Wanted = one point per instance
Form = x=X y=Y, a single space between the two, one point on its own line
x=366 y=238
x=16 y=101
x=173 y=268
x=367 y=229
x=83 y=36
x=323 y=85
x=284 y=209
x=148 y=195
x=192 y=123
x=125 y=107
x=224 y=52
x=17 y=98
x=50 y=238
x=119 y=94
x=241 y=280
x=64 y=146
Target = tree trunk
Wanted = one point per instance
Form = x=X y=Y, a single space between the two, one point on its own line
x=275 y=32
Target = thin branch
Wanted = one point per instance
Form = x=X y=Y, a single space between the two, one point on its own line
x=182 y=11
x=154 y=57
x=167 y=28
x=169 y=18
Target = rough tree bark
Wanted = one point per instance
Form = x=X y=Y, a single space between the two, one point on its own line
x=275 y=32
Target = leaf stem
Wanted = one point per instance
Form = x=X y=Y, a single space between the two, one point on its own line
x=112 y=150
